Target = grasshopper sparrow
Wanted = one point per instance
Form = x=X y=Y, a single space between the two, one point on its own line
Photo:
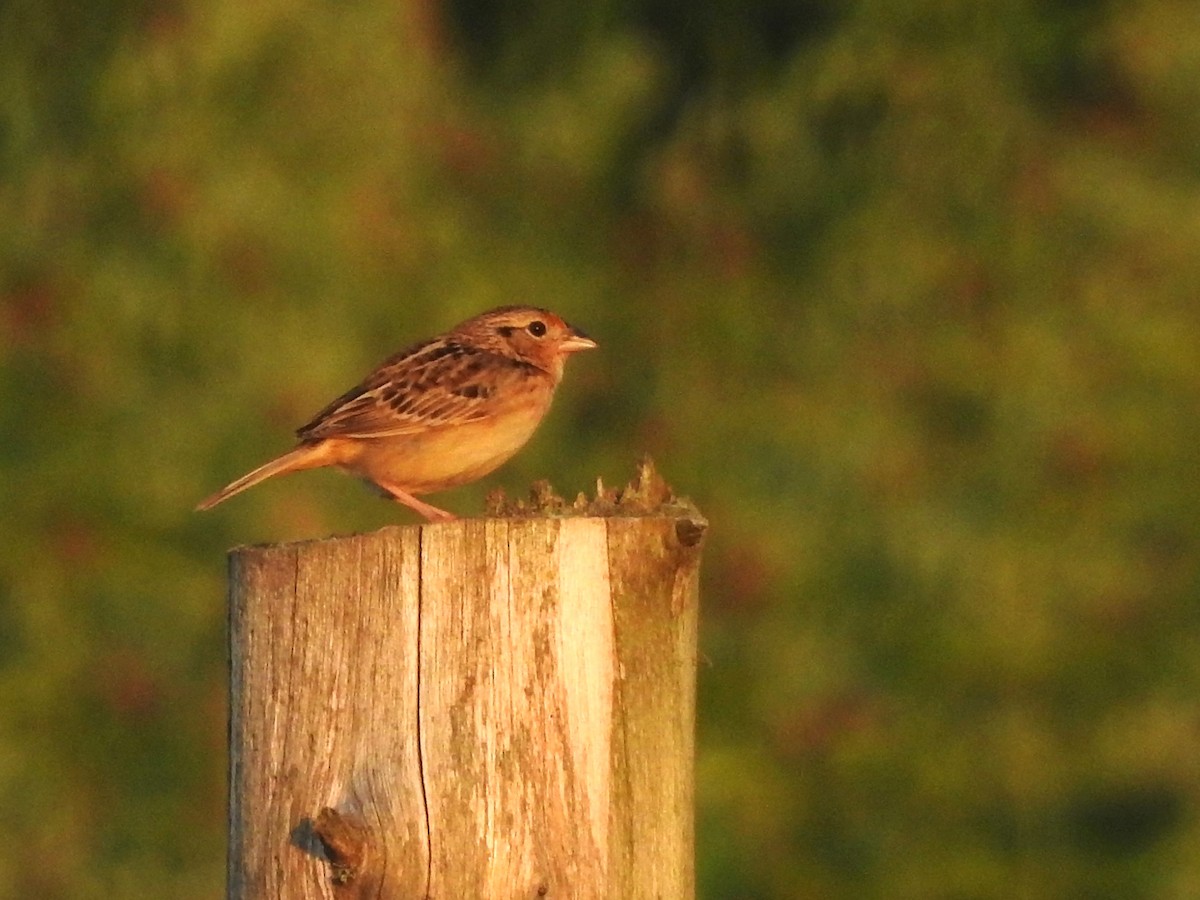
x=444 y=412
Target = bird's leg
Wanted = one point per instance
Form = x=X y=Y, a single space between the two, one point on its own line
x=430 y=512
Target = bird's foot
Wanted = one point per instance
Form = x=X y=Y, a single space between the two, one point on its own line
x=428 y=510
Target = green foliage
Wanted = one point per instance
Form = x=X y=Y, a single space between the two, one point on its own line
x=902 y=294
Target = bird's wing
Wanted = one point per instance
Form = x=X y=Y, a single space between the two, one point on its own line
x=437 y=383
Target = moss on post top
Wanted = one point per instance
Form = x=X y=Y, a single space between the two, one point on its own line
x=648 y=494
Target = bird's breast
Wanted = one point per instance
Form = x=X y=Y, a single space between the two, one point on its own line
x=445 y=456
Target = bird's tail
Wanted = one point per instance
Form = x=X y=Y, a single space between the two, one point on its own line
x=306 y=456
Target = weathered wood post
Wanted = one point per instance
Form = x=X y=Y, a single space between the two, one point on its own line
x=487 y=708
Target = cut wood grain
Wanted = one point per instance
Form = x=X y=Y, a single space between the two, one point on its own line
x=484 y=708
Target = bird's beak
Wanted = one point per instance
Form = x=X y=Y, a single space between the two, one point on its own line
x=576 y=341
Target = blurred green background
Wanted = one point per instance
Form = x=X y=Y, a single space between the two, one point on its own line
x=904 y=295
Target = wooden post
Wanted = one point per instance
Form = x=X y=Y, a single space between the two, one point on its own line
x=485 y=708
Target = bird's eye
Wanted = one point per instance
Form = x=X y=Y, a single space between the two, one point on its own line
x=537 y=328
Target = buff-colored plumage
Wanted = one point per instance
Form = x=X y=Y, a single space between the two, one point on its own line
x=442 y=413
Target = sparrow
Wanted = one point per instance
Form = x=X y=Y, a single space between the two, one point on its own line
x=445 y=412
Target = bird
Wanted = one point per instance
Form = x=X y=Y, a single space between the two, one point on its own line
x=442 y=413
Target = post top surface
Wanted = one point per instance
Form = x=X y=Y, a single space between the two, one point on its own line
x=647 y=496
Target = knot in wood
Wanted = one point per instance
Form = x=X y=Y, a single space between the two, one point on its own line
x=344 y=842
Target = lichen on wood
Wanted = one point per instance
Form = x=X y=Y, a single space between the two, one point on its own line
x=647 y=494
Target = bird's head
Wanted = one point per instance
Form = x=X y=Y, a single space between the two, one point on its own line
x=532 y=335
